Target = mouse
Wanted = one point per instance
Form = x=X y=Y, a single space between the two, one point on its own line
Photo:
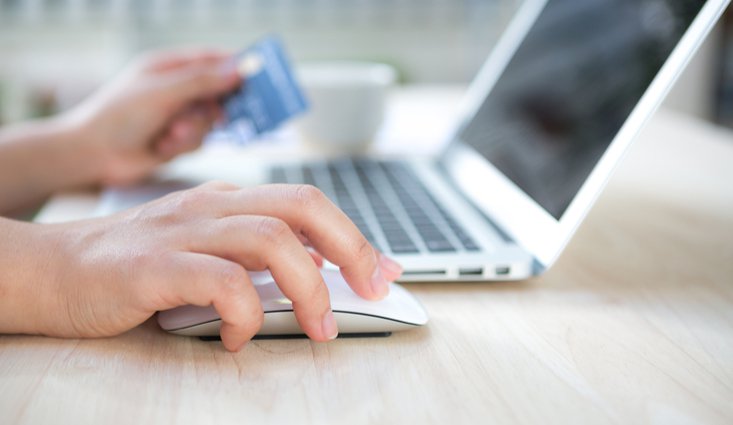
x=399 y=311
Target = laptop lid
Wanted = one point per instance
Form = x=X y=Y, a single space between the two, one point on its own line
x=559 y=100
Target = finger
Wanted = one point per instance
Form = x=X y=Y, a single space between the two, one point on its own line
x=184 y=134
x=259 y=243
x=308 y=211
x=391 y=269
x=169 y=145
x=157 y=61
x=197 y=82
x=317 y=258
x=216 y=185
x=304 y=240
x=217 y=113
x=212 y=109
x=188 y=129
x=194 y=201
x=213 y=114
x=140 y=163
x=204 y=280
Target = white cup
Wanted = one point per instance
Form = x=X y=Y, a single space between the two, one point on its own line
x=347 y=103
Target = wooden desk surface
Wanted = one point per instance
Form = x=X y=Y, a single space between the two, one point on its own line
x=634 y=324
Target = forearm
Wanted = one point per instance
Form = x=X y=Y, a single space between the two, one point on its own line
x=25 y=272
x=40 y=158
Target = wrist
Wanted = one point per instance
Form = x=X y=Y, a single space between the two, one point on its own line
x=42 y=157
x=109 y=150
x=27 y=277
x=78 y=145
x=63 y=155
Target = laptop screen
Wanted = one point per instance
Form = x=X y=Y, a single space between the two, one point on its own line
x=569 y=88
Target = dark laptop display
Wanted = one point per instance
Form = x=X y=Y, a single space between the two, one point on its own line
x=570 y=86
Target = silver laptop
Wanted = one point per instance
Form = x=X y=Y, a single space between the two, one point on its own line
x=544 y=123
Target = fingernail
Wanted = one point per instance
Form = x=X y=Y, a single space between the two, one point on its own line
x=329 y=327
x=389 y=265
x=379 y=284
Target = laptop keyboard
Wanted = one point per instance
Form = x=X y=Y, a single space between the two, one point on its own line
x=388 y=203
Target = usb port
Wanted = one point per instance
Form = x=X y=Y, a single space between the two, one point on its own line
x=471 y=271
x=502 y=270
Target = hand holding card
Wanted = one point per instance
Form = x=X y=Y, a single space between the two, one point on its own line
x=269 y=94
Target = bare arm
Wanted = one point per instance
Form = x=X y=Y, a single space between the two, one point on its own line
x=103 y=276
x=160 y=106
x=42 y=157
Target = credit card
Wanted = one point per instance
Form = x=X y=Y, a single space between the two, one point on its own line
x=269 y=95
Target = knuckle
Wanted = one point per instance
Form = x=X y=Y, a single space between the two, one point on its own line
x=314 y=294
x=362 y=249
x=248 y=314
x=308 y=197
x=164 y=213
x=191 y=200
x=254 y=319
x=250 y=320
x=231 y=278
x=272 y=230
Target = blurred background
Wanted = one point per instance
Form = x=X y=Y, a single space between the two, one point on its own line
x=54 y=52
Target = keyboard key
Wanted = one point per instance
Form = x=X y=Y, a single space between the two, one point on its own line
x=408 y=248
x=418 y=205
x=308 y=177
x=402 y=178
x=277 y=175
x=438 y=245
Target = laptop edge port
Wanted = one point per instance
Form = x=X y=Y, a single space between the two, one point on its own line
x=471 y=271
x=502 y=270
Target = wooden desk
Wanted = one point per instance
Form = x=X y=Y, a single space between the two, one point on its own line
x=634 y=324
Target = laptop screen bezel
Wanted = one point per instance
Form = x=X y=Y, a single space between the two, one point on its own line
x=515 y=212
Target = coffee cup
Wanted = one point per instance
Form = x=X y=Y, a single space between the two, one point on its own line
x=347 y=104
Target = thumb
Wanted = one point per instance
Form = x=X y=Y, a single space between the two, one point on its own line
x=197 y=82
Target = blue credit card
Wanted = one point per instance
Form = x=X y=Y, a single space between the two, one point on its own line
x=269 y=94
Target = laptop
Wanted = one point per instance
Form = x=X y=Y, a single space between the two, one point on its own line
x=549 y=115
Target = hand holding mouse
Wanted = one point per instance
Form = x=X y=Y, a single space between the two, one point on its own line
x=103 y=276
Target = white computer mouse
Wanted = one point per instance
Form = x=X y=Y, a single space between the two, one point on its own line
x=399 y=311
